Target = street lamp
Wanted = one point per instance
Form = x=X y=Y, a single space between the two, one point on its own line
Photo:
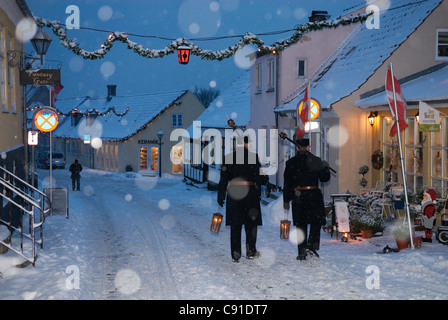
x=41 y=42
x=160 y=135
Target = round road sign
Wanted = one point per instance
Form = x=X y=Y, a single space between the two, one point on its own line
x=314 y=111
x=46 y=120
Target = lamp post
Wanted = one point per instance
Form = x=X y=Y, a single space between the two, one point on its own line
x=160 y=136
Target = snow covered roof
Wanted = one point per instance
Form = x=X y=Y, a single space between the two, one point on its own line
x=233 y=102
x=364 y=51
x=143 y=108
x=428 y=87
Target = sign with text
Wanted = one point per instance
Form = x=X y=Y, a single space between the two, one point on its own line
x=429 y=118
x=42 y=77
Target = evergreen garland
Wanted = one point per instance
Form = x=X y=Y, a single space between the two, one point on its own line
x=248 y=38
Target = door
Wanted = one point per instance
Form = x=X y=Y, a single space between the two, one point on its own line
x=176 y=159
x=143 y=159
x=154 y=159
x=149 y=160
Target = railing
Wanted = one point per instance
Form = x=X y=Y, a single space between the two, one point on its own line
x=29 y=201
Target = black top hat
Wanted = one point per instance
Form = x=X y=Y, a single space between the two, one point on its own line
x=303 y=142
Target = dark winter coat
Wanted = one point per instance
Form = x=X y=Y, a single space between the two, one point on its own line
x=305 y=169
x=75 y=169
x=243 y=201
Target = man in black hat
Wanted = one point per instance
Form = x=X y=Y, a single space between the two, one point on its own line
x=241 y=169
x=301 y=178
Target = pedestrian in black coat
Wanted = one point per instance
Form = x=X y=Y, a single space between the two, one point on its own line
x=301 y=179
x=241 y=169
x=75 y=169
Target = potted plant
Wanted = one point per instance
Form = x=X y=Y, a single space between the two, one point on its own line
x=402 y=236
x=366 y=218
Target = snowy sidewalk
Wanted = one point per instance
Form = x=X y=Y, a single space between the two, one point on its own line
x=149 y=238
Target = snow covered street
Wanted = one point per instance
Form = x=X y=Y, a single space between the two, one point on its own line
x=133 y=237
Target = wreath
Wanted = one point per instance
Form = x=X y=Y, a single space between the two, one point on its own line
x=377 y=159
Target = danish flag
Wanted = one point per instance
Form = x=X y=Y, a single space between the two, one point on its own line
x=54 y=91
x=401 y=102
x=302 y=115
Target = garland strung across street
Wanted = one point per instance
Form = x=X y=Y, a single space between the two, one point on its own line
x=248 y=38
x=75 y=112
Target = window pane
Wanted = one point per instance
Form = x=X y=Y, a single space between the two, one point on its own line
x=301 y=68
x=154 y=158
x=143 y=158
x=445 y=163
x=437 y=163
x=442 y=48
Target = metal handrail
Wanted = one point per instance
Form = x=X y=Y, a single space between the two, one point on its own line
x=28 y=204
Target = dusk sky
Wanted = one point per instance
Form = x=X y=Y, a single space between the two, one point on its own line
x=191 y=19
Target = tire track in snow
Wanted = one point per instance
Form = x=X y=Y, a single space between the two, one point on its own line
x=126 y=261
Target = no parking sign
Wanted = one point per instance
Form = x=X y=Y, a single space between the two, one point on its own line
x=46 y=119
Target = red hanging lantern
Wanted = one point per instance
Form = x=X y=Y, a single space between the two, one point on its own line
x=183 y=54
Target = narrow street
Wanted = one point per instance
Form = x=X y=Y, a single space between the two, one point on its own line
x=132 y=237
x=130 y=254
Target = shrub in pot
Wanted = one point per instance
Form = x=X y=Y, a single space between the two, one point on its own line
x=402 y=236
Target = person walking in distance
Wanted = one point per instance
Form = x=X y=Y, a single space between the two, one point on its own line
x=241 y=169
x=75 y=169
x=301 y=178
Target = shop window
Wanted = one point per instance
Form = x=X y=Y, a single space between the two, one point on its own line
x=176 y=158
x=390 y=153
x=439 y=158
x=143 y=158
x=154 y=158
x=413 y=156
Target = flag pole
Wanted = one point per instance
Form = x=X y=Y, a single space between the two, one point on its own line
x=408 y=215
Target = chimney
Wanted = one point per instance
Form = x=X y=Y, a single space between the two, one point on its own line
x=317 y=16
x=111 y=91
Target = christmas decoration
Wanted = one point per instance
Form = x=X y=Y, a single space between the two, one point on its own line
x=248 y=38
x=363 y=170
x=429 y=213
x=183 y=54
x=377 y=159
x=75 y=112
